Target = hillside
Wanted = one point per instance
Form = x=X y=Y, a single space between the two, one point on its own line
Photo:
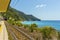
x=18 y=15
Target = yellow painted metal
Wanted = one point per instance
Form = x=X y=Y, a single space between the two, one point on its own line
x=4 y=5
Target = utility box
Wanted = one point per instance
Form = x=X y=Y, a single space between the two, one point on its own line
x=4 y=5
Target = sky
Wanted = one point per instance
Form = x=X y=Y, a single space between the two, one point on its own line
x=42 y=9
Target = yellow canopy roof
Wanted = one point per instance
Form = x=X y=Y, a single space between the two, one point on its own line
x=4 y=5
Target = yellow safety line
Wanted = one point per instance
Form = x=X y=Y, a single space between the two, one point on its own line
x=0 y=28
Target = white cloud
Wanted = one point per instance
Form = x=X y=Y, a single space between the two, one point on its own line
x=40 y=6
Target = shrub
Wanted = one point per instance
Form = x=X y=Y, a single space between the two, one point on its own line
x=33 y=27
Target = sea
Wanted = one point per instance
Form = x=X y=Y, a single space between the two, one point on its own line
x=52 y=23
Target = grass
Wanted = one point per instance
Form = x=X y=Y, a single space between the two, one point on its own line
x=9 y=36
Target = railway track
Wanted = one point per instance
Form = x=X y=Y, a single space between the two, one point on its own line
x=17 y=33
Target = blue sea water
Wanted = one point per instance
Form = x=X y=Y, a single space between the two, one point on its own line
x=55 y=24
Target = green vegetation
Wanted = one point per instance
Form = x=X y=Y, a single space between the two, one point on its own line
x=15 y=15
x=59 y=35
x=19 y=24
x=9 y=37
x=26 y=26
x=48 y=32
x=33 y=27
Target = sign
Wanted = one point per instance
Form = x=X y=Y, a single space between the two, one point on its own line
x=4 y=5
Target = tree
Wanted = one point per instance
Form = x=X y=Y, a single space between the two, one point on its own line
x=33 y=27
x=26 y=26
x=19 y=24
